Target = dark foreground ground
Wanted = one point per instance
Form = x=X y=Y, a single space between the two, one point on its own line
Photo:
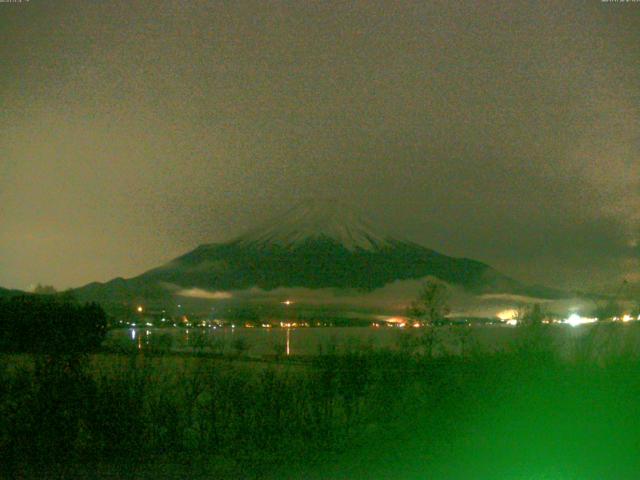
x=521 y=414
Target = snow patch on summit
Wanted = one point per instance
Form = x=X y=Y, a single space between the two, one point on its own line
x=313 y=220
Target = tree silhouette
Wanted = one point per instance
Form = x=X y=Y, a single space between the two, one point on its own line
x=431 y=306
x=606 y=310
x=530 y=315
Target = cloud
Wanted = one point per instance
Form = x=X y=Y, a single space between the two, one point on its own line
x=204 y=294
x=133 y=135
x=514 y=299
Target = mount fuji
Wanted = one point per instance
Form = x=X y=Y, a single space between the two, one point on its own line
x=314 y=245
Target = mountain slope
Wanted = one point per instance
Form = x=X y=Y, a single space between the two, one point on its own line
x=315 y=263
x=314 y=246
x=4 y=293
x=329 y=220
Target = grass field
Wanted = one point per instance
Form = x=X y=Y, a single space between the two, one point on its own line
x=402 y=414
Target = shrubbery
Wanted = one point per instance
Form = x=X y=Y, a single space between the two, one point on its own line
x=141 y=415
x=373 y=413
x=50 y=324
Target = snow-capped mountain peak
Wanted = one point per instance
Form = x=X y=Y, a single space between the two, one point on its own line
x=316 y=219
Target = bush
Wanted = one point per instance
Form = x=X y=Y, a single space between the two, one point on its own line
x=50 y=324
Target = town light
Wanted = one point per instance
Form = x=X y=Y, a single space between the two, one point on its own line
x=575 y=320
x=508 y=314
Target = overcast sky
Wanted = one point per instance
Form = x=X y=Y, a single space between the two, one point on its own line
x=132 y=131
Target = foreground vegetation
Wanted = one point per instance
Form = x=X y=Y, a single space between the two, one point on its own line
x=361 y=414
x=71 y=410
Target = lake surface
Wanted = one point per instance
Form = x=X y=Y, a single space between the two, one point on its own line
x=567 y=340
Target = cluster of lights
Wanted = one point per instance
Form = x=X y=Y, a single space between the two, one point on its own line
x=293 y=324
x=400 y=322
x=391 y=324
x=509 y=317
x=575 y=320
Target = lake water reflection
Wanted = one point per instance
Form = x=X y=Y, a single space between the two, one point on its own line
x=310 y=341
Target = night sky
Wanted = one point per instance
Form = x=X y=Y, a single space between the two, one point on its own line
x=132 y=131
